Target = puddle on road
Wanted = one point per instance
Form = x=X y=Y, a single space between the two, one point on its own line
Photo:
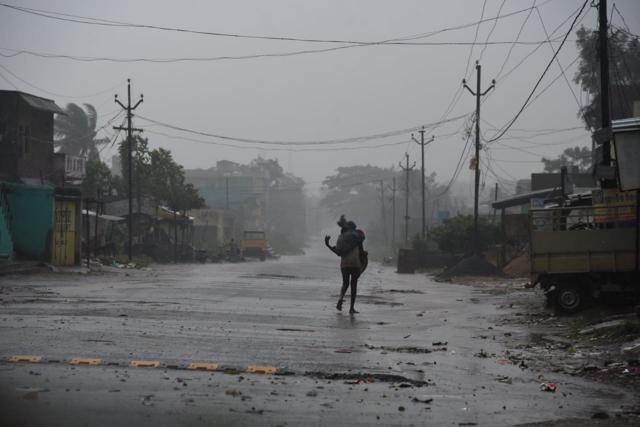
x=408 y=349
x=270 y=276
x=400 y=291
x=368 y=378
x=294 y=330
x=369 y=299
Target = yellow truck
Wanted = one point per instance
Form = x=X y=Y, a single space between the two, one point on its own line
x=579 y=253
x=254 y=245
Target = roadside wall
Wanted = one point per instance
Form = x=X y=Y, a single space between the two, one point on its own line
x=30 y=219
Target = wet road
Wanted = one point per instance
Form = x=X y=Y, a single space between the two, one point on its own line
x=416 y=353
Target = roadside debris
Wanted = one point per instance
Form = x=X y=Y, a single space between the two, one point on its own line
x=474 y=265
x=550 y=387
x=631 y=349
x=406 y=349
x=601 y=326
x=362 y=378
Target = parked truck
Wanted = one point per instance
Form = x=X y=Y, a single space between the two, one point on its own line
x=254 y=245
x=579 y=253
x=585 y=247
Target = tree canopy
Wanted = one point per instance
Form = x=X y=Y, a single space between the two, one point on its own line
x=624 y=73
x=577 y=157
x=156 y=174
x=75 y=133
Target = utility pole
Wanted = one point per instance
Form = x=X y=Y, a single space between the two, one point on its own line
x=226 y=184
x=383 y=216
x=422 y=144
x=604 y=79
x=495 y=199
x=393 y=212
x=129 y=109
x=478 y=94
x=406 y=170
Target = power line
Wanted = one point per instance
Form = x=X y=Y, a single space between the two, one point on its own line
x=546 y=33
x=534 y=50
x=54 y=93
x=356 y=139
x=12 y=84
x=80 y=58
x=624 y=22
x=293 y=150
x=112 y=23
x=524 y=105
x=475 y=39
x=491 y=31
x=533 y=5
x=463 y=155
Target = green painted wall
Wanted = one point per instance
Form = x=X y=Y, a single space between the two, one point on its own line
x=31 y=218
x=6 y=242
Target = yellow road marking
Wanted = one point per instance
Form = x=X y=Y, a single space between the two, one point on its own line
x=145 y=364
x=202 y=366
x=85 y=361
x=26 y=358
x=253 y=369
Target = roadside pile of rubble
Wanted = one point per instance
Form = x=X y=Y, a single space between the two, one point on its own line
x=474 y=265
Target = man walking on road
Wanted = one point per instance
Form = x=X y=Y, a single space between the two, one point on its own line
x=353 y=259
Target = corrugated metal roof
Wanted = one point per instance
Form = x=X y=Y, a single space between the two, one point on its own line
x=626 y=125
x=523 y=199
x=42 y=104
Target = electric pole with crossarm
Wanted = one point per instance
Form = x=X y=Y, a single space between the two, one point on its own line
x=129 y=109
x=478 y=94
x=406 y=169
x=422 y=144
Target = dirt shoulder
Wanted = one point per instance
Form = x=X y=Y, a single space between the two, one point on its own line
x=590 y=344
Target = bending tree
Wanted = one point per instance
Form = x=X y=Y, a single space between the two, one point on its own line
x=76 y=132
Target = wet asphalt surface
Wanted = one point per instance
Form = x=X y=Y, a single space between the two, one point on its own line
x=414 y=355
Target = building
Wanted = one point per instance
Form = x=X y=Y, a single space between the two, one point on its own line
x=39 y=216
x=26 y=138
x=234 y=187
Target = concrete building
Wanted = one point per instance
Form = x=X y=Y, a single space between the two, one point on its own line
x=39 y=216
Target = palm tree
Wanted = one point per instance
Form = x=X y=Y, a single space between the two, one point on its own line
x=76 y=132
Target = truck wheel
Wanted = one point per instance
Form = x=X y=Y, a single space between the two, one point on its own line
x=569 y=299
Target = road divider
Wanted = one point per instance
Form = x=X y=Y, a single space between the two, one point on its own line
x=268 y=370
x=202 y=366
x=144 y=363
x=26 y=358
x=85 y=361
x=150 y=364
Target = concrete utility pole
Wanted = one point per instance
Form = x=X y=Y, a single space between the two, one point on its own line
x=604 y=78
x=406 y=169
x=422 y=144
x=478 y=94
x=383 y=216
x=226 y=184
x=129 y=109
x=393 y=212
x=495 y=199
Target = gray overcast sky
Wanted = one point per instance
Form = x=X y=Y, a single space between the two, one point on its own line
x=339 y=94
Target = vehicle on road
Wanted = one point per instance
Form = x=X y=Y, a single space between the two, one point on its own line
x=578 y=253
x=254 y=245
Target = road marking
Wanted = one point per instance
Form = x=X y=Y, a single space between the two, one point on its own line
x=199 y=366
x=253 y=369
x=26 y=358
x=145 y=364
x=85 y=361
